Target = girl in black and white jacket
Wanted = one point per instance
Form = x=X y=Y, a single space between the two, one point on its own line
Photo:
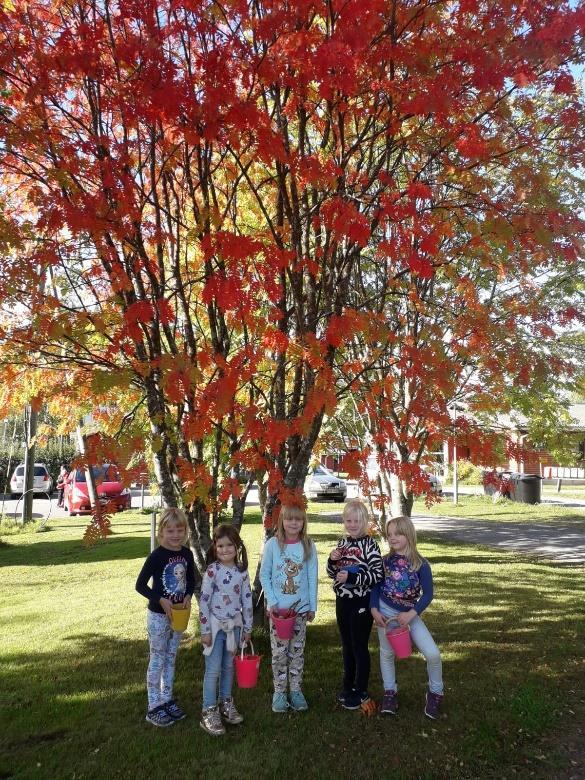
x=355 y=565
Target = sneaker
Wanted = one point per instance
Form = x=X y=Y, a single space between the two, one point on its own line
x=433 y=705
x=342 y=695
x=389 y=703
x=228 y=711
x=298 y=701
x=364 y=697
x=211 y=722
x=279 y=702
x=159 y=717
x=173 y=709
x=352 y=701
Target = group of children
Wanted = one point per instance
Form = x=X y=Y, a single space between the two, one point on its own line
x=388 y=591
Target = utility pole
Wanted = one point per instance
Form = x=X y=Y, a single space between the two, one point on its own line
x=30 y=426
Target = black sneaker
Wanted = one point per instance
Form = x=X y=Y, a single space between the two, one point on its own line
x=364 y=697
x=175 y=712
x=342 y=696
x=389 y=703
x=352 y=701
x=159 y=717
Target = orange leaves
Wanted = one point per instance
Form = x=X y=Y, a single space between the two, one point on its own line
x=345 y=220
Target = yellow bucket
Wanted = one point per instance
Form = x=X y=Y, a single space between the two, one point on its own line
x=180 y=619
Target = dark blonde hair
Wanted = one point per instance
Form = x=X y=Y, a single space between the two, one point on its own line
x=405 y=527
x=169 y=515
x=357 y=507
x=226 y=531
x=287 y=511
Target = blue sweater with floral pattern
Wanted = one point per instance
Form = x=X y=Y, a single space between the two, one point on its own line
x=403 y=588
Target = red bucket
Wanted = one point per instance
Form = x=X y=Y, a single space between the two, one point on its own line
x=284 y=626
x=399 y=639
x=247 y=668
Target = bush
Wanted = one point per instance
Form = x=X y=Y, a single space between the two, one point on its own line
x=467 y=473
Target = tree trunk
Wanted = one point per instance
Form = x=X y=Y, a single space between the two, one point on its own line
x=402 y=498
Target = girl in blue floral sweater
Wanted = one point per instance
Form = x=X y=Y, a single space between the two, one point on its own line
x=399 y=600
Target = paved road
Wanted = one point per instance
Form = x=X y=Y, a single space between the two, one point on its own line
x=560 y=542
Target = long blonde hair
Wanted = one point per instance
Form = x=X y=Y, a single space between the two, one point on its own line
x=405 y=527
x=287 y=511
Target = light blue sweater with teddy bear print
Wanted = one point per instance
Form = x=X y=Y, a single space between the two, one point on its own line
x=287 y=578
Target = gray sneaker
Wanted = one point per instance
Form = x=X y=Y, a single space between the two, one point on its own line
x=228 y=711
x=211 y=722
x=159 y=717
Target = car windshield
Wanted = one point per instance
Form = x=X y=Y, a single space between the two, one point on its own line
x=40 y=471
x=19 y=471
x=106 y=473
x=323 y=472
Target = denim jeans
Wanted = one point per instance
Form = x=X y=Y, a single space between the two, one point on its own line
x=219 y=670
x=421 y=636
x=164 y=644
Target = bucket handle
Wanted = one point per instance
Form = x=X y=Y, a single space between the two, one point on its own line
x=244 y=645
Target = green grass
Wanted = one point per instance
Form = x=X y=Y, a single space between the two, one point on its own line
x=483 y=508
x=73 y=656
x=567 y=491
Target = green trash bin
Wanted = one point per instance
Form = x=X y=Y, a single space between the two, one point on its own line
x=528 y=489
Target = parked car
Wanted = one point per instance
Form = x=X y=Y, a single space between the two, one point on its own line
x=42 y=482
x=109 y=486
x=322 y=483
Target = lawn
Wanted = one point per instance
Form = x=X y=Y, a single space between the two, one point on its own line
x=73 y=657
x=483 y=508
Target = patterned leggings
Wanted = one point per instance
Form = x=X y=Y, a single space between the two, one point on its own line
x=288 y=656
x=164 y=644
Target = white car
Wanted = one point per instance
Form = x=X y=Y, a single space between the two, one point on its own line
x=42 y=482
x=322 y=483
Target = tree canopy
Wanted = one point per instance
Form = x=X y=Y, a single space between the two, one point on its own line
x=226 y=217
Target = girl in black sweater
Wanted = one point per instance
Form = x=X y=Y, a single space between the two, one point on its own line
x=355 y=565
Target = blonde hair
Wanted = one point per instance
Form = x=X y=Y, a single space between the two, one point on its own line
x=356 y=507
x=172 y=514
x=286 y=512
x=405 y=527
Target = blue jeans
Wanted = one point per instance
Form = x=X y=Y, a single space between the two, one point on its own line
x=219 y=671
x=421 y=636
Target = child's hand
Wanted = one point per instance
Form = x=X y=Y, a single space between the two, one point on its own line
x=187 y=602
x=206 y=640
x=341 y=576
x=247 y=637
x=404 y=618
x=310 y=617
x=379 y=618
x=336 y=554
x=167 y=606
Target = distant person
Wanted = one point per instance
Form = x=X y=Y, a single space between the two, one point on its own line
x=399 y=600
x=172 y=569
x=61 y=480
x=289 y=576
x=355 y=565
x=226 y=621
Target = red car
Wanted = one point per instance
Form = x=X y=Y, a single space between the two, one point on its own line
x=110 y=490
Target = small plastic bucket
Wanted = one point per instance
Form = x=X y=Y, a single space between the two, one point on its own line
x=399 y=639
x=284 y=626
x=247 y=668
x=180 y=617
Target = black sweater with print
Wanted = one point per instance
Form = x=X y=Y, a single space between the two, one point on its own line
x=362 y=560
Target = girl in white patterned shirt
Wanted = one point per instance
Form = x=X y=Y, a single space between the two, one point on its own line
x=226 y=617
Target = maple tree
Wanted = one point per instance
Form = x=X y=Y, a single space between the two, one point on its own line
x=243 y=211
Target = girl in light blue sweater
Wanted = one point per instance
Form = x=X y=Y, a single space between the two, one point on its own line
x=289 y=578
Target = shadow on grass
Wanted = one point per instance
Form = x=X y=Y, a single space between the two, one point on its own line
x=82 y=710
x=117 y=547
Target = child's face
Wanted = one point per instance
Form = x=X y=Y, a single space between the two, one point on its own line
x=352 y=524
x=293 y=525
x=225 y=551
x=173 y=536
x=397 y=541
